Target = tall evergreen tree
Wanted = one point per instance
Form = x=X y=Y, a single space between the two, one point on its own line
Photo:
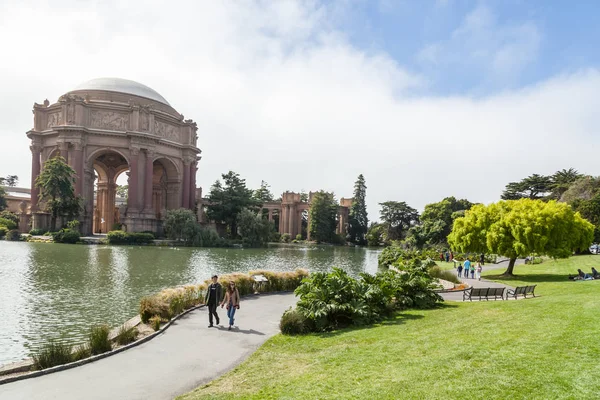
x=263 y=194
x=359 y=221
x=323 y=217
x=228 y=200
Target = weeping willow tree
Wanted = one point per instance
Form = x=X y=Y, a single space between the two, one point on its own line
x=517 y=228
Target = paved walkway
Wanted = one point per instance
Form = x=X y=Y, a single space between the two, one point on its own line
x=483 y=283
x=186 y=355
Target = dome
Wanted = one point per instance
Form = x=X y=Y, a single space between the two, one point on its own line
x=119 y=85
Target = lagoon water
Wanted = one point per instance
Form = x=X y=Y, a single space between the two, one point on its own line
x=56 y=292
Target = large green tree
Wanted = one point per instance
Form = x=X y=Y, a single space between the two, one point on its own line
x=10 y=180
x=533 y=187
x=263 y=194
x=323 y=217
x=254 y=229
x=56 y=189
x=398 y=218
x=562 y=181
x=358 y=219
x=437 y=218
x=518 y=228
x=227 y=200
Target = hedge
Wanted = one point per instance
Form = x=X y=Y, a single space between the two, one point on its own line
x=121 y=237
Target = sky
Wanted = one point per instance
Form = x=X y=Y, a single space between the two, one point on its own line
x=426 y=99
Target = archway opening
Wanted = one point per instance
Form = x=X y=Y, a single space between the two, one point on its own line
x=110 y=191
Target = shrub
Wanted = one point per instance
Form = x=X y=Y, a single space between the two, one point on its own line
x=334 y=300
x=153 y=305
x=293 y=323
x=73 y=225
x=8 y=224
x=37 y=232
x=120 y=237
x=298 y=237
x=98 y=339
x=10 y=216
x=13 y=235
x=126 y=335
x=447 y=275
x=117 y=226
x=52 y=354
x=3 y=231
x=285 y=238
x=155 y=322
x=67 y=236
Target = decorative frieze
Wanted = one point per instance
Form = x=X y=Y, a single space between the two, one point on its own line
x=109 y=120
x=54 y=119
x=166 y=131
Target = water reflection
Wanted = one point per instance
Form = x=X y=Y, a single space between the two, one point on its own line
x=53 y=291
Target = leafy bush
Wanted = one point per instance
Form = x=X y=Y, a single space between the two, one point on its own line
x=294 y=323
x=126 y=335
x=151 y=306
x=447 y=275
x=37 y=232
x=298 y=237
x=3 y=231
x=285 y=238
x=120 y=237
x=117 y=226
x=155 y=322
x=98 y=339
x=66 y=236
x=334 y=300
x=52 y=354
x=8 y=224
x=13 y=235
x=10 y=216
x=73 y=225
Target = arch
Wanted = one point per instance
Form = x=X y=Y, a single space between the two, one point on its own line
x=55 y=152
x=170 y=167
x=104 y=150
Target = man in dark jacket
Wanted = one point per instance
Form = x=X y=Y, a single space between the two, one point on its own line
x=212 y=299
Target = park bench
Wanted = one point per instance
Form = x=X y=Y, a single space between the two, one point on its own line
x=483 y=292
x=521 y=290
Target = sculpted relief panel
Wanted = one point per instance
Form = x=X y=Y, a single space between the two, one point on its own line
x=109 y=120
x=166 y=131
x=54 y=119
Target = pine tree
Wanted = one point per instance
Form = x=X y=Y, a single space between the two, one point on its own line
x=359 y=221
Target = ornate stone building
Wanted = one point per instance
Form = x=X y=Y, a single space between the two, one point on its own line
x=106 y=127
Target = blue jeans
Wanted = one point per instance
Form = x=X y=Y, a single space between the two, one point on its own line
x=230 y=314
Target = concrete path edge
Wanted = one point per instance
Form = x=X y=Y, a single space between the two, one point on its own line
x=99 y=356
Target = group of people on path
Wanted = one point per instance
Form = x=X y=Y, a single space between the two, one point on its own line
x=475 y=270
x=214 y=293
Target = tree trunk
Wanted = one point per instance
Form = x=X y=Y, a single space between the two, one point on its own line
x=54 y=215
x=511 y=266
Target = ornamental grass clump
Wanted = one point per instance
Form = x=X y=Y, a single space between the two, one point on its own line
x=155 y=322
x=294 y=322
x=126 y=335
x=81 y=352
x=98 y=339
x=52 y=354
x=153 y=305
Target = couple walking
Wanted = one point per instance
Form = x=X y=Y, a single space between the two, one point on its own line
x=214 y=294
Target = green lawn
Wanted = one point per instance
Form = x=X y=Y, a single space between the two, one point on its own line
x=542 y=348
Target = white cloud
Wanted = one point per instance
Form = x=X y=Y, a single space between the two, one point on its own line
x=496 y=52
x=280 y=95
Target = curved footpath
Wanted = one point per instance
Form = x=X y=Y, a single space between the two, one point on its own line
x=186 y=355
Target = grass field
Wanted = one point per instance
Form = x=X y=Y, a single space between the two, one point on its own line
x=542 y=348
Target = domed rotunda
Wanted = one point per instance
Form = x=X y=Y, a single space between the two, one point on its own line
x=109 y=126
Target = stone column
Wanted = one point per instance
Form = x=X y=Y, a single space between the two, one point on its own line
x=270 y=215
x=36 y=150
x=290 y=218
x=132 y=192
x=78 y=167
x=63 y=147
x=148 y=181
x=308 y=226
x=192 y=185
x=186 y=184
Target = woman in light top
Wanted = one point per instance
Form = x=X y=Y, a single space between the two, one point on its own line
x=232 y=299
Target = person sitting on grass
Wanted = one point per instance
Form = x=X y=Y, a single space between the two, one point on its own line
x=595 y=273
